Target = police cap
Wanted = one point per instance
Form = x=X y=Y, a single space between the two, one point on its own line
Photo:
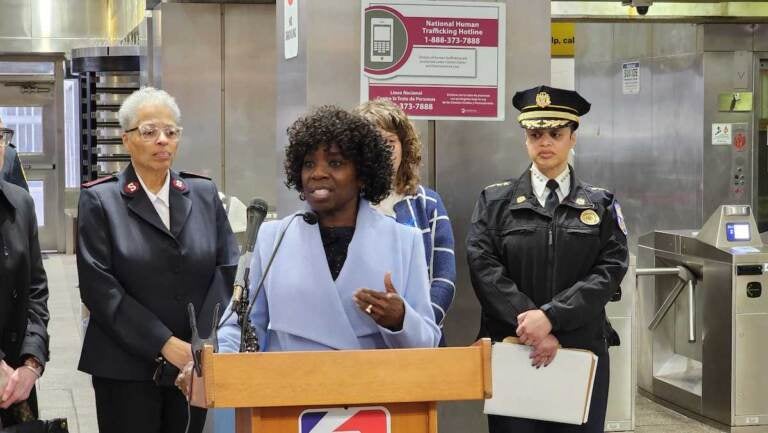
x=549 y=107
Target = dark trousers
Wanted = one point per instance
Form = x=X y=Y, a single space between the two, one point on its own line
x=131 y=407
x=595 y=422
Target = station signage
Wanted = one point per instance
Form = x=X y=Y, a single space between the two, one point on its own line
x=437 y=60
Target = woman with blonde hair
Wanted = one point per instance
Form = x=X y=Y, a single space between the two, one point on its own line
x=412 y=204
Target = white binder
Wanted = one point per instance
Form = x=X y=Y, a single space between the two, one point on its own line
x=560 y=392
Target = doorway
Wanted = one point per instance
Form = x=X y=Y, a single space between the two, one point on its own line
x=31 y=104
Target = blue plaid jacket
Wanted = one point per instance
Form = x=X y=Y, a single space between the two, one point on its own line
x=425 y=211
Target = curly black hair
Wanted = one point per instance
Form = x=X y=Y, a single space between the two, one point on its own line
x=357 y=139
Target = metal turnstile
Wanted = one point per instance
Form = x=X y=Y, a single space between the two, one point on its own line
x=703 y=320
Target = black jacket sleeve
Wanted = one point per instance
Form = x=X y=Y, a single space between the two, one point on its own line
x=498 y=294
x=35 y=341
x=586 y=298
x=116 y=312
x=227 y=253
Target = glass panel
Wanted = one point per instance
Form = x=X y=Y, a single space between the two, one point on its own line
x=71 y=134
x=26 y=68
x=27 y=122
x=37 y=191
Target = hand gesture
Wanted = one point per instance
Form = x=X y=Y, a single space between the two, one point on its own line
x=544 y=353
x=532 y=327
x=386 y=308
x=184 y=379
x=20 y=384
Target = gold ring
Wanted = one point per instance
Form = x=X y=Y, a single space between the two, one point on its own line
x=369 y=309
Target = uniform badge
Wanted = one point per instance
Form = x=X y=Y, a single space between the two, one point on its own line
x=543 y=100
x=620 y=217
x=589 y=217
x=520 y=199
x=131 y=187
x=580 y=201
x=179 y=185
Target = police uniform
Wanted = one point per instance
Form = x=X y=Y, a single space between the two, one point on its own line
x=567 y=263
x=136 y=278
x=13 y=171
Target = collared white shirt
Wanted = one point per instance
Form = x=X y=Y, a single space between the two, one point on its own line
x=160 y=201
x=539 y=183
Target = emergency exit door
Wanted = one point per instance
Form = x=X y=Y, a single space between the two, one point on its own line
x=31 y=103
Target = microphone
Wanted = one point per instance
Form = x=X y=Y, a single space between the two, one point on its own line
x=310 y=218
x=255 y=213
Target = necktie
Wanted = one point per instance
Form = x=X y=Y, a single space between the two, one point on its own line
x=552 y=200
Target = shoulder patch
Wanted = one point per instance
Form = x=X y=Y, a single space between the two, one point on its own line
x=497 y=185
x=188 y=174
x=620 y=217
x=98 y=181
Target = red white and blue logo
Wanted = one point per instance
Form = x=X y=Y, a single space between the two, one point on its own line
x=340 y=420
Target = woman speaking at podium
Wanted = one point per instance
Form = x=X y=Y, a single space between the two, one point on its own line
x=355 y=280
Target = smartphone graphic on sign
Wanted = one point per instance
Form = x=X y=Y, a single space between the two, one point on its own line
x=381 y=39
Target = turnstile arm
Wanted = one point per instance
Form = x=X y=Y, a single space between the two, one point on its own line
x=686 y=280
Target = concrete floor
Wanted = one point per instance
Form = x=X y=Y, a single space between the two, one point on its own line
x=65 y=392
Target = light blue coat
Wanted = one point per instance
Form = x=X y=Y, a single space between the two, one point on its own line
x=301 y=307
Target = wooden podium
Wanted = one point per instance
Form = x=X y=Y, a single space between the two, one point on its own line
x=270 y=391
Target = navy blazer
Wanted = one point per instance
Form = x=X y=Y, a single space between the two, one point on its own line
x=23 y=284
x=137 y=277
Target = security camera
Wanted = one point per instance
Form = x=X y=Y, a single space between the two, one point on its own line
x=642 y=6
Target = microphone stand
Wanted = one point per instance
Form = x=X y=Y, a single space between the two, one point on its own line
x=249 y=341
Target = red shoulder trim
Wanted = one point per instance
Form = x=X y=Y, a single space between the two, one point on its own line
x=98 y=181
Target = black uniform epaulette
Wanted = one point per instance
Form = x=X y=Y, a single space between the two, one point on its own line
x=98 y=181
x=186 y=174
x=496 y=185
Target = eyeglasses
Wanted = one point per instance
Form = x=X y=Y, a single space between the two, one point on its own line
x=6 y=135
x=150 y=132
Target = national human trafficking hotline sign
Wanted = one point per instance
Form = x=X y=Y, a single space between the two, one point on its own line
x=436 y=60
x=374 y=419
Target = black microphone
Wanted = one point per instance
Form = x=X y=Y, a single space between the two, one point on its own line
x=255 y=213
x=310 y=217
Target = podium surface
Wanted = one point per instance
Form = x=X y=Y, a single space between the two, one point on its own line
x=271 y=390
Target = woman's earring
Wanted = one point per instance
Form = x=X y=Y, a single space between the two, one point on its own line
x=301 y=196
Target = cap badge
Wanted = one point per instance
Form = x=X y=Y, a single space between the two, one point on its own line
x=543 y=100
x=179 y=185
x=131 y=187
x=589 y=217
x=520 y=199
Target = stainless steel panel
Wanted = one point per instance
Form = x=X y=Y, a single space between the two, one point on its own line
x=191 y=66
x=117 y=81
x=720 y=162
x=110 y=98
x=750 y=357
x=47 y=45
x=249 y=106
x=621 y=393
x=728 y=37
x=632 y=41
x=760 y=41
x=17 y=19
x=670 y=39
x=111 y=150
x=70 y=19
x=328 y=41
x=595 y=42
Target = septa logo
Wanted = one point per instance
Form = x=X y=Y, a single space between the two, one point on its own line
x=339 y=420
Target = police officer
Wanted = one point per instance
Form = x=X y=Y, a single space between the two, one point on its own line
x=547 y=251
x=12 y=170
x=150 y=241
